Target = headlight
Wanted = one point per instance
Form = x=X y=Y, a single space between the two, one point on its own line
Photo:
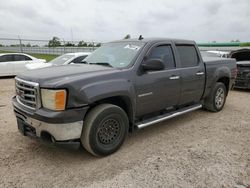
x=54 y=99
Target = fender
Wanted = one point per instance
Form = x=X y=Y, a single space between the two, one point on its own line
x=220 y=72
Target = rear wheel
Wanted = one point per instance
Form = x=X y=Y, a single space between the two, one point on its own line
x=217 y=98
x=104 y=129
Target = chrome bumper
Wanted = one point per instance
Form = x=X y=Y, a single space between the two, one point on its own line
x=60 y=132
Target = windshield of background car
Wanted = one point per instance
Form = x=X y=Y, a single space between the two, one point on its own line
x=61 y=59
x=117 y=55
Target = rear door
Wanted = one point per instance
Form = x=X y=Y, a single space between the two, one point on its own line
x=6 y=65
x=20 y=62
x=192 y=72
x=157 y=90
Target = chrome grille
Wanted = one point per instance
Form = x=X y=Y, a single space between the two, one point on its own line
x=27 y=93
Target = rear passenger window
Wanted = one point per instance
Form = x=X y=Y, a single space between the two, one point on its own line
x=21 y=58
x=188 y=55
x=6 y=58
x=165 y=53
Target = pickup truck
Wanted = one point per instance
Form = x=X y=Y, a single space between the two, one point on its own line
x=242 y=57
x=123 y=86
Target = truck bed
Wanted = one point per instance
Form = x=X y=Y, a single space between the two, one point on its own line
x=211 y=66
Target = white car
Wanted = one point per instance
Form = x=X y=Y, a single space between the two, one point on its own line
x=64 y=59
x=13 y=63
x=220 y=53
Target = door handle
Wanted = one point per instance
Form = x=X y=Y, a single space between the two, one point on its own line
x=174 y=77
x=199 y=73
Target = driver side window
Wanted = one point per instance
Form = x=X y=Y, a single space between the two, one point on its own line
x=165 y=53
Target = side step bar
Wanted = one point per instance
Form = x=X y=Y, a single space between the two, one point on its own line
x=170 y=115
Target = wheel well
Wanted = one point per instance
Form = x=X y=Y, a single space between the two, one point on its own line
x=121 y=101
x=225 y=81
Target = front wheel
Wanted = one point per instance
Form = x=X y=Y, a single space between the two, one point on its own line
x=104 y=130
x=217 y=98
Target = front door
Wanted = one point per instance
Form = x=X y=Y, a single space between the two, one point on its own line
x=157 y=90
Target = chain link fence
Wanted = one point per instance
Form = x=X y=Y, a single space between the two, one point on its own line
x=41 y=46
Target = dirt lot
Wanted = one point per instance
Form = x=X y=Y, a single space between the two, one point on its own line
x=199 y=149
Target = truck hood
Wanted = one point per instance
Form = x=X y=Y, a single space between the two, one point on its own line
x=60 y=74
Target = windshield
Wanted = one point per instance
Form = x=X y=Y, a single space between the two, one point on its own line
x=117 y=55
x=61 y=59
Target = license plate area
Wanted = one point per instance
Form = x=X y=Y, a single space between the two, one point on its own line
x=25 y=128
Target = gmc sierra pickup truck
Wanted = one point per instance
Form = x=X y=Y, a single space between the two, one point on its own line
x=123 y=86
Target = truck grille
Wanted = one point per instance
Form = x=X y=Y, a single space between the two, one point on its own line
x=27 y=93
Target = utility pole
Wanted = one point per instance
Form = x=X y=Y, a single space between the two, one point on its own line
x=71 y=31
x=20 y=42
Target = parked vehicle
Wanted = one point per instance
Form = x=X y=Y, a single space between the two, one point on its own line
x=215 y=53
x=64 y=59
x=124 y=85
x=243 y=66
x=13 y=63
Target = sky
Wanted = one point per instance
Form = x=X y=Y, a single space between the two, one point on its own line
x=107 y=20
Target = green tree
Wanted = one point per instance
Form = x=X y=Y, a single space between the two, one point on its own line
x=82 y=44
x=127 y=36
x=90 y=45
x=69 y=44
x=54 y=42
x=98 y=44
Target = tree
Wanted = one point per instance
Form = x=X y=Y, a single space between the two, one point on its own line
x=69 y=44
x=127 y=36
x=55 y=42
x=28 y=45
x=237 y=40
x=82 y=44
x=90 y=45
x=98 y=44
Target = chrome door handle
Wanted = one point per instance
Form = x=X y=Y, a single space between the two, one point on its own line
x=199 y=73
x=174 y=77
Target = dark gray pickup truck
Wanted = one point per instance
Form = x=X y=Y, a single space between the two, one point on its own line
x=123 y=86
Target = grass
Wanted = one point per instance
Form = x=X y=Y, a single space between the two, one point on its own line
x=48 y=57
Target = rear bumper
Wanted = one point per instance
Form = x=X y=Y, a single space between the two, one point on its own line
x=60 y=126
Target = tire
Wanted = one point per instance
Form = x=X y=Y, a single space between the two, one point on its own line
x=217 y=98
x=104 y=129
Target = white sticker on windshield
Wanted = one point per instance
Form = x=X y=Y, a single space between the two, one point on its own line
x=132 y=47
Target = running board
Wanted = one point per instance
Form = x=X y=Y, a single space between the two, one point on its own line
x=170 y=115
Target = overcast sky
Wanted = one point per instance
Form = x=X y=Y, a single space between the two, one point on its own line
x=105 y=20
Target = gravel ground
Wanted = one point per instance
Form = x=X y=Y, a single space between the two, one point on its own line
x=199 y=149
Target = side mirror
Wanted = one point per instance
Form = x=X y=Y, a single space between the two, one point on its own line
x=153 y=64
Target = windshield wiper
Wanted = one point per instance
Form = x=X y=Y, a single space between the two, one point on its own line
x=101 y=63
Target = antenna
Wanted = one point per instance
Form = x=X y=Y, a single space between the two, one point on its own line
x=140 y=37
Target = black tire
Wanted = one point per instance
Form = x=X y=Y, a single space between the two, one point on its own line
x=215 y=101
x=104 y=129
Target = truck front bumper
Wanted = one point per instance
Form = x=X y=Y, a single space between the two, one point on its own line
x=60 y=126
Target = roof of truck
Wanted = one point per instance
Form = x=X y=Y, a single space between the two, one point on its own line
x=157 y=40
